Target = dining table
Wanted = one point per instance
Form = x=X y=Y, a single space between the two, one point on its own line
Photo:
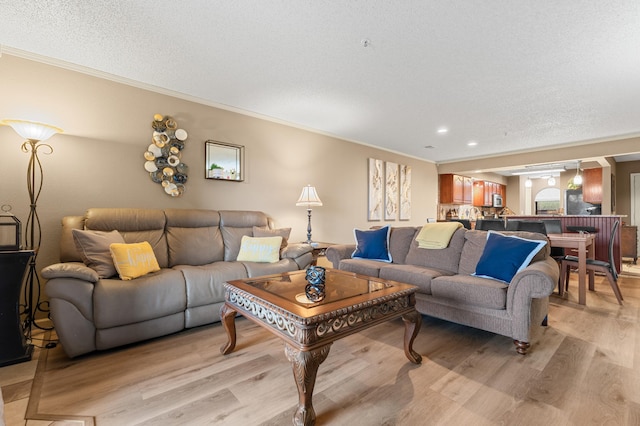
x=583 y=242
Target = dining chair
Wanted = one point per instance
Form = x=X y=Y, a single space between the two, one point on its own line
x=608 y=268
x=554 y=226
x=465 y=222
x=532 y=226
x=512 y=225
x=490 y=225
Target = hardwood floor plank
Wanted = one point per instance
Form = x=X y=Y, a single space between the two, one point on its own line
x=606 y=393
x=557 y=383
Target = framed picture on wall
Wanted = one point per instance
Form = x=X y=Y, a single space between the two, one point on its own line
x=224 y=161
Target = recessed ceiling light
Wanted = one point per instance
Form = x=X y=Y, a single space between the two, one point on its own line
x=442 y=130
x=472 y=143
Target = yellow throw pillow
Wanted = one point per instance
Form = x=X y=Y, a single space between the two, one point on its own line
x=133 y=260
x=264 y=249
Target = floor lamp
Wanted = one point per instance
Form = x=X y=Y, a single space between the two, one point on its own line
x=308 y=198
x=35 y=134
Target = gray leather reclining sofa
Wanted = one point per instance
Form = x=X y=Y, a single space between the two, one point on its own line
x=196 y=250
x=447 y=290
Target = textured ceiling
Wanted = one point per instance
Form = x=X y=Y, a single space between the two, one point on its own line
x=510 y=75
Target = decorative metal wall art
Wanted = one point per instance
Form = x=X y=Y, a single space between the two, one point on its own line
x=163 y=156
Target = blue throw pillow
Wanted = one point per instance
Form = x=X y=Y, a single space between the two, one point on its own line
x=506 y=255
x=372 y=244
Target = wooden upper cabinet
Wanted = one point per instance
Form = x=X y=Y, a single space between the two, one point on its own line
x=467 y=193
x=592 y=185
x=483 y=193
x=455 y=189
x=503 y=191
x=478 y=193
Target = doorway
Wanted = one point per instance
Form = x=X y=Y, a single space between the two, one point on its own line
x=547 y=201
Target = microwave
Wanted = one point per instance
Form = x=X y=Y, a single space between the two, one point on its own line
x=497 y=200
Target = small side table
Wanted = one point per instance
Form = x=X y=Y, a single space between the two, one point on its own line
x=319 y=249
x=13 y=266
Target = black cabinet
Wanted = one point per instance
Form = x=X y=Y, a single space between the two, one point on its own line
x=14 y=348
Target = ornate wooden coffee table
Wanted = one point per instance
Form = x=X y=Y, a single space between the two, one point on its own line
x=352 y=303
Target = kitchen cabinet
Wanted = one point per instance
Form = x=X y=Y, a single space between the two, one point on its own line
x=478 y=193
x=592 y=185
x=455 y=189
x=630 y=242
x=483 y=193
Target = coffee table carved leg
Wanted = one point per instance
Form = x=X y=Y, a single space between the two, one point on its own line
x=412 y=323
x=305 y=368
x=228 y=317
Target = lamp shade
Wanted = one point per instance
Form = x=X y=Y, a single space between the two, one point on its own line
x=32 y=130
x=309 y=197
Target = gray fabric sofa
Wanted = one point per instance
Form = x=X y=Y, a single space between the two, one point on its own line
x=196 y=250
x=447 y=290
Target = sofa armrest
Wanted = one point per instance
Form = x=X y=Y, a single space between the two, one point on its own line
x=538 y=279
x=528 y=296
x=336 y=253
x=295 y=250
x=299 y=253
x=76 y=270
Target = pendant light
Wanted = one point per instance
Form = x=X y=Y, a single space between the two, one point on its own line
x=577 y=180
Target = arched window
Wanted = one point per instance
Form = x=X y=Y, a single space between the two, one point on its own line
x=547 y=201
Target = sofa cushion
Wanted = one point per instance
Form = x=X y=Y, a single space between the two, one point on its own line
x=93 y=247
x=264 y=249
x=117 y=302
x=446 y=259
x=133 y=260
x=205 y=283
x=506 y=255
x=266 y=232
x=470 y=290
x=135 y=226
x=474 y=246
x=472 y=250
x=235 y=224
x=411 y=274
x=372 y=244
x=362 y=266
x=194 y=237
x=399 y=242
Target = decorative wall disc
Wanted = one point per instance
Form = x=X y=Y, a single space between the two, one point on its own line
x=163 y=155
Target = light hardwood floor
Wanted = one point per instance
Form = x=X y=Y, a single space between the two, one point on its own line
x=584 y=368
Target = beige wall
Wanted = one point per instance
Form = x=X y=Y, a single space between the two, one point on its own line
x=98 y=161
